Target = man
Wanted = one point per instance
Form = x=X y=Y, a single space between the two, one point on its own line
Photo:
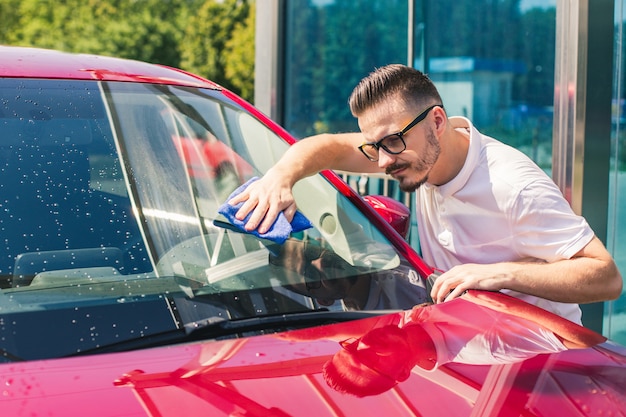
x=487 y=215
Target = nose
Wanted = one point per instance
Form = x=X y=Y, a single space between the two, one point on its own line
x=317 y=263
x=385 y=159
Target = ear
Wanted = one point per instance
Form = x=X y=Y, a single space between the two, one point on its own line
x=441 y=119
x=403 y=374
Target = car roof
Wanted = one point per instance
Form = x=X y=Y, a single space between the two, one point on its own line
x=26 y=62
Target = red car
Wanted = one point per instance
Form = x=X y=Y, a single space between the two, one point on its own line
x=127 y=289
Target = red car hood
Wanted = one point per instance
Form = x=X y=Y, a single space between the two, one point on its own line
x=281 y=375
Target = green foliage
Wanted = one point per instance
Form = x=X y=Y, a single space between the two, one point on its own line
x=188 y=34
x=331 y=44
x=239 y=56
x=203 y=49
x=8 y=18
x=331 y=47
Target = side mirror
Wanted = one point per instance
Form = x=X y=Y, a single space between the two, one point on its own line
x=394 y=212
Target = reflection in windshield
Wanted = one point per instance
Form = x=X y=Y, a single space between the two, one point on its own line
x=311 y=268
x=202 y=130
x=110 y=197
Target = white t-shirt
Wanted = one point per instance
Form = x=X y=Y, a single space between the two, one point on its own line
x=500 y=207
x=488 y=337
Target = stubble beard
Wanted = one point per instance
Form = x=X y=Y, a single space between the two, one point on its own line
x=425 y=164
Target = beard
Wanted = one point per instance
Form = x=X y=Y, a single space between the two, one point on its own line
x=422 y=165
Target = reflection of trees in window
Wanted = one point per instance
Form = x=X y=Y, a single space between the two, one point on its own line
x=538 y=43
x=477 y=28
x=331 y=45
x=497 y=29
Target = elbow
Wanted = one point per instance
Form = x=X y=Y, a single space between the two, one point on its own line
x=615 y=284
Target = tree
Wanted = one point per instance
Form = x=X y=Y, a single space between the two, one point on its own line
x=202 y=36
x=144 y=29
x=206 y=36
x=9 y=16
x=239 y=56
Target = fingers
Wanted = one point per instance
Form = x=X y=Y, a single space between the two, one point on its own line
x=263 y=202
x=444 y=290
x=268 y=215
x=449 y=286
x=259 y=213
x=290 y=211
x=456 y=281
x=264 y=217
x=250 y=205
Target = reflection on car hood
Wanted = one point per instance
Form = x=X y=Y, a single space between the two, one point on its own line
x=278 y=374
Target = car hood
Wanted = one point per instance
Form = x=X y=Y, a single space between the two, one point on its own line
x=285 y=374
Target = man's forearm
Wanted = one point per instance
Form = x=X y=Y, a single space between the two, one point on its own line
x=325 y=151
x=577 y=280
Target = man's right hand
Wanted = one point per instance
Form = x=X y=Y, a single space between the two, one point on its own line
x=266 y=198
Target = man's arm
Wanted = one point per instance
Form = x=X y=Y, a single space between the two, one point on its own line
x=589 y=276
x=270 y=195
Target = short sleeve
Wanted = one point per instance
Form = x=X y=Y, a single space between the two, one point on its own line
x=544 y=225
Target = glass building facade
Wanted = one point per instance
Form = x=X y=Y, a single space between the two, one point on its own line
x=545 y=76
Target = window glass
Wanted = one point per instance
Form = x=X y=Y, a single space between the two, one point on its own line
x=615 y=311
x=492 y=60
x=110 y=222
x=330 y=46
x=63 y=189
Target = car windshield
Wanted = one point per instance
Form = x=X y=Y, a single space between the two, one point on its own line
x=110 y=228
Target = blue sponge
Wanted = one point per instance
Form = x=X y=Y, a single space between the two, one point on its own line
x=280 y=230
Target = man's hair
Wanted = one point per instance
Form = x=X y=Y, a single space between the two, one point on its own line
x=346 y=375
x=412 y=86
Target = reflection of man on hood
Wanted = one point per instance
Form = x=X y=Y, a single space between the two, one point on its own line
x=500 y=330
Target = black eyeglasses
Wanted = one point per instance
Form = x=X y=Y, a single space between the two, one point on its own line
x=393 y=144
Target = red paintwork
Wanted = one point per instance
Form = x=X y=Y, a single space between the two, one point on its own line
x=395 y=213
x=281 y=375
x=39 y=63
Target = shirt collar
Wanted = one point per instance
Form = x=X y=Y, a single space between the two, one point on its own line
x=471 y=160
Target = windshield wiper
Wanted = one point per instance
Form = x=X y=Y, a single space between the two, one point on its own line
x=220 y=328
x=217 y=327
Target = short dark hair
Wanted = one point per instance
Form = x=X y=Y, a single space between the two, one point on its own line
x=347 y=376
x=412 y=85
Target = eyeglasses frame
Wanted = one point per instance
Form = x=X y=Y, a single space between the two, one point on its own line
x=379 y=144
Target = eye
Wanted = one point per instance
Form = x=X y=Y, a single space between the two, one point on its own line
x=392 y=141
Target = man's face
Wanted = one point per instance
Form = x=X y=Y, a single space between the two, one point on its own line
x=412 y=166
